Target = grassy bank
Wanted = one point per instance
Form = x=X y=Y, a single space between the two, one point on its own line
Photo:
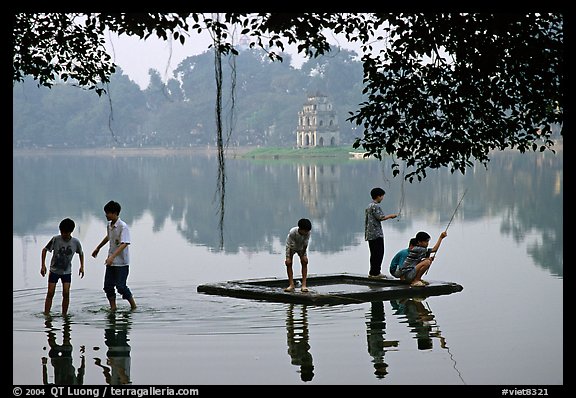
x=281 y=152
x=341 y=152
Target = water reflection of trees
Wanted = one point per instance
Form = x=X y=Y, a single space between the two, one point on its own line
x=264 y=198
x=532 y=205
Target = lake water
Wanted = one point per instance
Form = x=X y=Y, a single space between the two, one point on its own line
x=504 y=246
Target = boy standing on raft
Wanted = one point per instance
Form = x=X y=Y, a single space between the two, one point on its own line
x=373 y=232
x=297 y=243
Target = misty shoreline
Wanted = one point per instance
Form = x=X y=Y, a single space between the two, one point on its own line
x=154 y=151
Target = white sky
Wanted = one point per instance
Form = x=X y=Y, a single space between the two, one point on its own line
x=136 y=56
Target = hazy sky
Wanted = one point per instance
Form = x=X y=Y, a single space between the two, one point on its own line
x=136 y=56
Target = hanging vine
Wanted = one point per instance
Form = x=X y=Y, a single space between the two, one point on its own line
x=222 y=144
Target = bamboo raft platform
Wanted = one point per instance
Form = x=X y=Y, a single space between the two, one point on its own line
x=328 y=289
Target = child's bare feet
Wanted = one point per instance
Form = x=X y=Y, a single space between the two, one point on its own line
x=304 y=289
x=132 y=303
x=289 y=288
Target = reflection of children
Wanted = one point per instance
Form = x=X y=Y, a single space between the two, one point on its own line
x=373 y=233
x=61 y=358
x=298 y=346
x=297 y=243
x=419 y=260
x=377 y=344
x=63 y=247
x=118 y=259
x=118 y=354
x=418 y=318
x=398 y=259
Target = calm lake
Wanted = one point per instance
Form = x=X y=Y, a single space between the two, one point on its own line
x=504 y=246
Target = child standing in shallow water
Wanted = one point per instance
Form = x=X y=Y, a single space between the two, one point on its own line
x=118 y=260
x=297 y=243
x=63 y=246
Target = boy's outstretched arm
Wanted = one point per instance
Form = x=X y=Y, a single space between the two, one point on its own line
x=100 y=245
x=439 y=241
x=389 y=216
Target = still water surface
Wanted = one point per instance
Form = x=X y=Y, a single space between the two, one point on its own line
x=504 y=246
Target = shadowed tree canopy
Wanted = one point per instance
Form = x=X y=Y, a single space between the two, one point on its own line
x=441 y=89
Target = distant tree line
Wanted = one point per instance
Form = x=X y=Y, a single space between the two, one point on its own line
x=180 y=112
x=442 y=89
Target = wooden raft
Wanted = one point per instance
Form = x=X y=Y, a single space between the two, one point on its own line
x=328 y=289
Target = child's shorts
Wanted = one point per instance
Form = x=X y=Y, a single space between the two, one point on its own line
x=53 y=277
x=290 y=253
x=409 y=277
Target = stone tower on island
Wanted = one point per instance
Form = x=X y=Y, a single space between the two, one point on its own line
x=317 y=123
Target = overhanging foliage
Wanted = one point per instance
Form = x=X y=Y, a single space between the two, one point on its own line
x=443 y=89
